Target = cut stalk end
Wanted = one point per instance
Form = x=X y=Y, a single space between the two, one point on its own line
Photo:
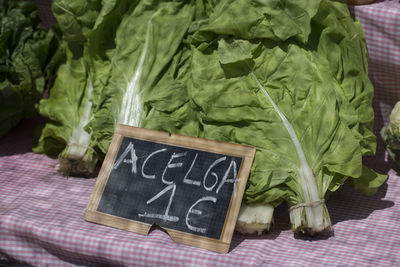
x=310 y=220
x=254 y=218
x=74 y=165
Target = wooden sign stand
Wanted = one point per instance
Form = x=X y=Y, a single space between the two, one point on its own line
x=219 y=245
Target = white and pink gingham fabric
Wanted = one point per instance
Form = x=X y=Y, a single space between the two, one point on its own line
x=381 y=25
x=41 y=212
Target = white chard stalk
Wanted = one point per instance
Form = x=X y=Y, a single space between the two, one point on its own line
x=254 y=218
x=312 y=216
x=79 y=157
x=394 y=120
x=132 y=104
x=79 y=141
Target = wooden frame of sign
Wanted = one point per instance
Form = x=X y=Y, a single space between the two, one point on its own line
x=221 y=244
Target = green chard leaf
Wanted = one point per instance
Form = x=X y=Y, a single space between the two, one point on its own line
x=144 y=49
x=285 y=87
x=29 y=55
x=286 y=77
x=79 y=84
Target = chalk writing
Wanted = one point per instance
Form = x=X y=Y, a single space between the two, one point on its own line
x=152 y=176
x=171 y=165
x=198 y=212
x=132 y=161
x=225 y=177
x=174 y=187
x=209 y=188
x=165 y=216
x=186 y=180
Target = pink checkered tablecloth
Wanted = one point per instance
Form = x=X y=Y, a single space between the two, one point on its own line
x=381 y=25
x=41 y=212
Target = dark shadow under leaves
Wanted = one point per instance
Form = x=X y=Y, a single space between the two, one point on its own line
x=20 y=139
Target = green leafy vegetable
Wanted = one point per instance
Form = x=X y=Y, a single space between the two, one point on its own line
x=28 y=57
x=287 y=77
x=296 y=89
x=116 y=50
x=79 y=83
x=391 y=134
x=144 y=48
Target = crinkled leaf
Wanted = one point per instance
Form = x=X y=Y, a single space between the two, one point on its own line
x=391 y=142
x=76 y=18
x=144 y=48
x=236 y=110
x=77 y=91
x=341 y=41
x=369 y=183
x=26 y=61
x=276 y=20
x=63 y=107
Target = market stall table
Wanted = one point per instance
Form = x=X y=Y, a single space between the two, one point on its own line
x=41 y=212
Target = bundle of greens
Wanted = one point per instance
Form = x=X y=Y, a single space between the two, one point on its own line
x=115 y=51
x=145 y=45
x=287 y=77
x=29 y=56
x=390 y=134
x=79 y=82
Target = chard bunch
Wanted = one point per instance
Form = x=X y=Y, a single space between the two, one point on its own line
x=115 y=51
x=390 y=134
x=291 y=81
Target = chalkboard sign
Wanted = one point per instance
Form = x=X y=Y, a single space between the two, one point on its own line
x=190 y=187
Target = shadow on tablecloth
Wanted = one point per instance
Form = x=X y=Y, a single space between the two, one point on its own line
x=20 y=139
x=345 y=204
